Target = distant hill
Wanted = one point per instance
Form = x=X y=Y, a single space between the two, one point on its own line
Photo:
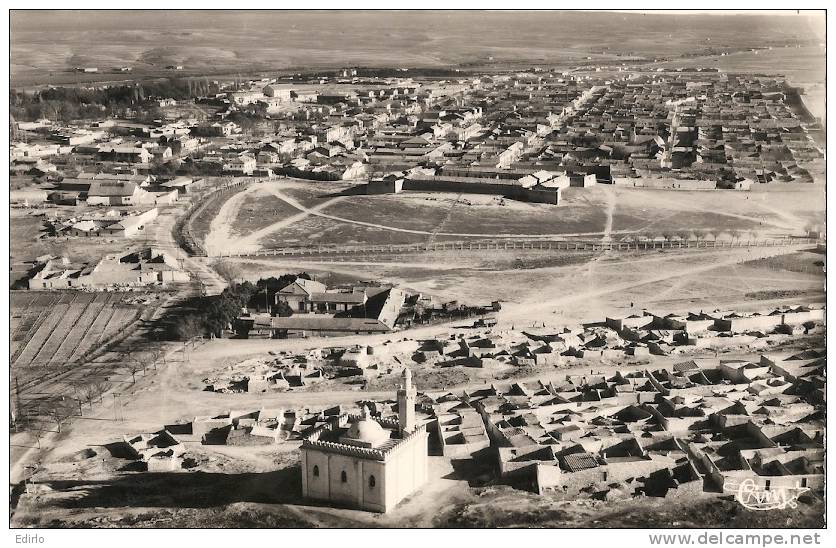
x=56 y=41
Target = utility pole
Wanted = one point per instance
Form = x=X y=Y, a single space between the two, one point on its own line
x=27 y=481
x=15 y=405
x=117 y=407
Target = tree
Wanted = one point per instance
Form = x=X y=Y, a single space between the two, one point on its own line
x=282 y=310
x=226 y=270
x=135 y=363
x=39 y=433
x=101 y=386
x=77 y=389
x=134 y=368
x=88 y=392
x=189 y=327
x=164 y=168
x=58 y=414
x=157 y=353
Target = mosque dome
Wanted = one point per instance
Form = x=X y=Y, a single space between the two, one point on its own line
x=367 y=430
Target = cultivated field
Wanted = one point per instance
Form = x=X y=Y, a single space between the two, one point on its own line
x=56 y=328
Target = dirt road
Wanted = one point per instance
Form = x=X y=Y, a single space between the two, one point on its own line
x=162 y=236
x=220 y=229
x=251 y=241
x=542 y=304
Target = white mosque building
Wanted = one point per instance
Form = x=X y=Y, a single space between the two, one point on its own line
x=366 y=462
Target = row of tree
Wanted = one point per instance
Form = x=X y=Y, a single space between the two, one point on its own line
x=698 y=235
x=77 y=103
x=91 y=391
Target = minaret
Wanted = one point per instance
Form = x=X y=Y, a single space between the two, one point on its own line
x=406 y=403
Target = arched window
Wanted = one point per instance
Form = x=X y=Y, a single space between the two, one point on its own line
x=343 y=476
x=316 y=471
x=372 y=482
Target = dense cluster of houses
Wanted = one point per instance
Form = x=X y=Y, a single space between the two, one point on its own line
x=145 y=267
x=619 y=339
x=112 y=223
x=637 y=338
x=691 y=129
x=703 y=425
x=688 y=130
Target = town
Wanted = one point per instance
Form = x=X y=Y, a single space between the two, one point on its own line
x=586 y=293
x=525 y=135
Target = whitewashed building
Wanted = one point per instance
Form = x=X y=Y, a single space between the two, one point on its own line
x=365 y=462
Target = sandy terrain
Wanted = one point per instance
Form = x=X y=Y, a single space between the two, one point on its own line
x=220 y=235
x=674 y=279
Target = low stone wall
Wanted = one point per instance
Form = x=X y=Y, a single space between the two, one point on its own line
x=475 y=186
x=664 y=183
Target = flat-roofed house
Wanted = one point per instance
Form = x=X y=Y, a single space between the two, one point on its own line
x=131 y=225
x=336 y=301
x=148 y=266
x=109 y=192
x=243 y=164
x=125 y=154
x=86 y=228
x=277 y=93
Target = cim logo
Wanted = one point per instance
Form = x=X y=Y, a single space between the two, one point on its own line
x=753 y=497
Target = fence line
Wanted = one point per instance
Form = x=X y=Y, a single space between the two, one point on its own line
x=536 y=245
